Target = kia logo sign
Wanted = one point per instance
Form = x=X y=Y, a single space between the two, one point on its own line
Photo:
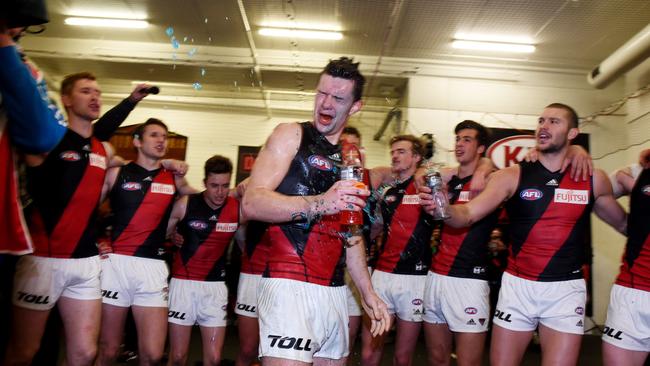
x=531 y=194
x=510 y=150
x=320 y=163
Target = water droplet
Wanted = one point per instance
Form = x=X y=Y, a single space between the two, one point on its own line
x=235 y=83
x=185 y=39
x=227 y=19
x=205 y=20
x=175 y=43
x=192 y=40
x=169 y=31
x=174 y=56
x=202 y=72
x=197 y=86
x=174 y=67
x=192 y=52
x=209 y=39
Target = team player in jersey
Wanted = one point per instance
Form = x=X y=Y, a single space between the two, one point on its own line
x=403 y=260
x=295 y=186
x=207 y=221
x=456 y=296
x=625 y=338
x=134 y=275
x=543 y=286
x=65 y=186
x=254 y=249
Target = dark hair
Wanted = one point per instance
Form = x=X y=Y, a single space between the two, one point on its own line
x=482 y=133
x=68 y=82
x=416 y=143
x=351 y=131
x=217 y=165
x=139 y=131
x=345 y=68
x=573 y=115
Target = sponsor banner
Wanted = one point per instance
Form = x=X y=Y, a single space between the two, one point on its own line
x=411 y=199
x=162 y=188
x=575 y=197
x=97 y=160
x=226 y=227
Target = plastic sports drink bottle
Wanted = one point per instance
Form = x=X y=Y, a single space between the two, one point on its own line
x=352 y=169
x=434 y=182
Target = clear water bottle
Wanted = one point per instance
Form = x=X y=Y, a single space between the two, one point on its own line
x=352 y=169
x=433 y=180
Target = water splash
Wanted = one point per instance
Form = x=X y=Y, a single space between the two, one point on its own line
x=205 y=20
x=175 y=43
x=169 y=31
x=197 y=86
x=202 y=72
x=192 y=52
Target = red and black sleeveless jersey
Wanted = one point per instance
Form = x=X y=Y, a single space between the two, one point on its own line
x=635 y=270
x=549 y=219
x=253 y=258
x=309 y=251
x=206 y=235
x=407 y=232
x=463 y=251
x=142 y=201
x=66 y=189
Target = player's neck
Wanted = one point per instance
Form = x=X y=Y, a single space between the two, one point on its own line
x=81 y=126
x=553 y=160
x=209 y=203
x=148 y=163
x=467 y=169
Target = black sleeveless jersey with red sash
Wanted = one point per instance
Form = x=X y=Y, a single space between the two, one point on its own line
x=66 y=189
x=463 y=252
x=635 y=270
x=310 y=252
x=549 y=219
x=256 y=250
x=142 y=201
x=206 y=235
x=407 y=232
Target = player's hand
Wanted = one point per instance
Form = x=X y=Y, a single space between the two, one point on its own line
x=426 y=200
x=178 y=167
x=418 y=177
x=582 y=166
x=177 y=239
x=477 y=184
x=105 y=248
x=378 y=314
x=532 y=155
x=139 y=93
x=241 y=188
x=343 y=195
x=644 y=158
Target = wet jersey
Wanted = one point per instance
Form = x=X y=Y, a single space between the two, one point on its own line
x=253 y=259
x=66 y=189
x=309 y=251
x=142 y=201
x=407 y=232
x=549 y=219
x=463 y=252
x=206 y=235
x=635 y=270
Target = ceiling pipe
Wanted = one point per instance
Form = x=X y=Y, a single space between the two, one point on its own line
x=256 y=66
x=629 y=55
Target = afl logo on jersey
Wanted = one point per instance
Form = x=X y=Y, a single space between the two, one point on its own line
x=531 y=194
x=198 y=225
x=70 y=156
x=320 y=163
x=131 y=186
x=646 y=190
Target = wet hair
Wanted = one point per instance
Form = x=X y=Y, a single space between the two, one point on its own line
x=573 y=115
x=68 y=82
x=351 y=131
x=139 y=131
x=345 y=68
x=217 y=165
x=416 y=143
x=482 y=133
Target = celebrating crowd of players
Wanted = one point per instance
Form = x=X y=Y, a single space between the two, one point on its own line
x=293 y=304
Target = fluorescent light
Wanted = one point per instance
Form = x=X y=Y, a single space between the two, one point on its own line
x=300 y=33
x=299 y=25
x=499 y=38
x=493 y=46
x=106 y=13
x=107 y=22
